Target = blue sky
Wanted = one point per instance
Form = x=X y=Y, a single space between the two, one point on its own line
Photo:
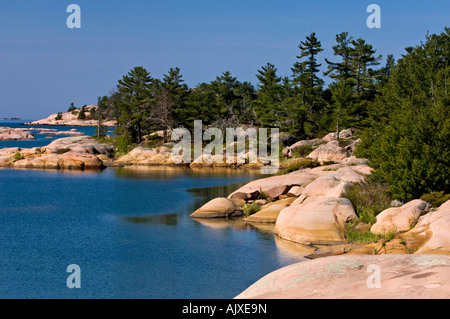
x=44 y=65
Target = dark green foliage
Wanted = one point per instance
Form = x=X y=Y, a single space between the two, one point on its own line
x=269 y=104
x=408 y=139
x=18 y=156
x=369 y=199
x=62 y=151
x=58 y=117
x=250 y=209
x=306 y=103
x=402 y=109
x=71 y=107
x=136 y=90
x=82 y=113
x=124 y=142
x=435 y=199
x=298 y=165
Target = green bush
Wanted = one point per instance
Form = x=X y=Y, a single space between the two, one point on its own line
x=369 y=199
x=250 y=209
x=82 y=114
x=435 y=199
x=356 y=236
x=299 y=164
x=124 y=142
x=303 y=151
x=58 y=117
x=262 y=195
x=18 y=156
x=62 y=150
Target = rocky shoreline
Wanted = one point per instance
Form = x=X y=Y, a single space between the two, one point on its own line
x=70 y=119
x=305 y=207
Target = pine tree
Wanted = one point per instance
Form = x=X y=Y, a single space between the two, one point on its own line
x=136 y=90
x=307 y=102
x=407 y=142
x=268 y=104
x=177 y=91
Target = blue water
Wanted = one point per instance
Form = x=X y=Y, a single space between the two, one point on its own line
x=42 y=139
x=130 y=232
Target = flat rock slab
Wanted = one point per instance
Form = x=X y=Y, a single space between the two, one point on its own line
x=354 y=277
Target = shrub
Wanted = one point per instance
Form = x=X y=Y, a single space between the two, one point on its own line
x=124 y=142
x=18 y=156
x=435 y=199
x=303 y=151
x=262 y=195
x=62 y=150
x=250 y=209
x=357 y=236
x=82 y=114
x=58 y=117
x=299 y=164
x=369 y=199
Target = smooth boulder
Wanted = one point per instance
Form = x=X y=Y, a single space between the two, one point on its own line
x=399 y=219
x=431 y=235
x=353 y=277
x=322 y=221
x=217 y=208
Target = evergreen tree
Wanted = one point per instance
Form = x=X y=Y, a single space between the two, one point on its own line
x=135 y=105
x=307 y=102
x=407 y=141
x=71 y=107
x=268 y=105
x=177 y=91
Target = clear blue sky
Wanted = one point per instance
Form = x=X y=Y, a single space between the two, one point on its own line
x=44 y=66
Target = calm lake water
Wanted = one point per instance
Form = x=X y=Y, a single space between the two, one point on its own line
x=42 y=139
x=130 y=232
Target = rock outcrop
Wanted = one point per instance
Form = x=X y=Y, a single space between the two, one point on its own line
x=354 y=277
x=399 y=219
x=81 y=152
x=78 y=144
x=69 y=160
x=147 y=156
x=218 y=208
x=431 y=235
x=330 y=151
x=71 y=119
x=320 y=221
x=269 y=212
x=15 y=134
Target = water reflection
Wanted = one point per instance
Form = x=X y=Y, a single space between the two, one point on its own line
x=163 y=219
x=289 y=248
x=166 y=172
x=203 y=195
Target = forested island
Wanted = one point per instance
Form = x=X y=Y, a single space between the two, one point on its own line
x=400 y=109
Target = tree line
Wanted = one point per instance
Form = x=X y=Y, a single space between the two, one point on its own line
x=401 y=108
